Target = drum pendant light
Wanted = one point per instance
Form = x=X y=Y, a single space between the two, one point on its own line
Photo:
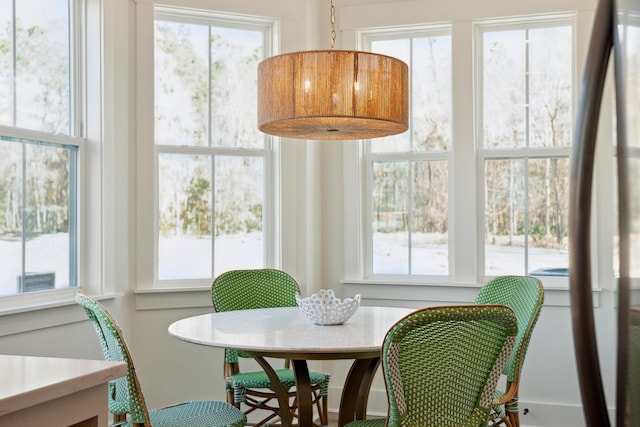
x=332 y=94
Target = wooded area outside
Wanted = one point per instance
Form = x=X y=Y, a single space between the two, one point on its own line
x=211 y=188
x=212 y=160
x=526 y=117
x=37 y=178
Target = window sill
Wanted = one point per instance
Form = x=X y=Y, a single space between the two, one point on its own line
x=50 y=312
x=414 y=295
x=375 y=292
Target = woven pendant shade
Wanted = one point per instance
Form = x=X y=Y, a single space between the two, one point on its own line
x=332 y=95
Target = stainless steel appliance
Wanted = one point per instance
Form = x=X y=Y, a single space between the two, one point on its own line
x=616 y=34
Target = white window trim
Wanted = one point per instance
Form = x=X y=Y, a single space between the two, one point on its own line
x=529 y=22
x=146 y=236
x=365 y=271
x=466 y=261
x=101 y=187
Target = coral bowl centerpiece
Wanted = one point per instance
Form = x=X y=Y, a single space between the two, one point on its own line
x=323 y=308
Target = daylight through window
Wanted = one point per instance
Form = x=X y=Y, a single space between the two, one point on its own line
x=39 y=147
x=526 y=134
x=212 y=162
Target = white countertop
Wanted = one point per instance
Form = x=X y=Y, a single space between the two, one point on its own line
x=27 y=381
x=288 y=331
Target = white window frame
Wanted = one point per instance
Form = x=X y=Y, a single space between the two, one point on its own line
x=93 y=121
x=524 y=154
x=466 y=202
x=148 y=171
x=365 y=269
x=365 y=38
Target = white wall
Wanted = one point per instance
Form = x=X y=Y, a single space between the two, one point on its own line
x=313 y=181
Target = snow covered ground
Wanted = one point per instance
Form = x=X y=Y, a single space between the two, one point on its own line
x=189 y=258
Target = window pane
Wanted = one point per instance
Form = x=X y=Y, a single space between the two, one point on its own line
x=42 y=65
x=47 y=221
x=235 y=55
x=401 y=49
x=410 y=220
x=38 y=181
x=39 y=216
x=504 y=89
x=6 y=63
x=181 y=74
x=429 y=60
x=11 y=196
x=550 y=92
x=184 y=240
x=431 y=93
x=390 y=216
x=526 y=211
x=527 y=103
x=409 y=209
x=206 y=85
x=211 y=197
x=631 y=65
x=430 y=219
x=634 y=208
x=505 y=208
x=632 y=88
x=527 y=93
x=548 y=205
x=239 y=195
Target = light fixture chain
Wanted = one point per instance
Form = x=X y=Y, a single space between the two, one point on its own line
x=333 y=24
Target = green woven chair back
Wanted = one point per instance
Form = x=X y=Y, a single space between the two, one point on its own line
x=525 y=296
x=441 y=365
x=251 y=289
x=125 y=393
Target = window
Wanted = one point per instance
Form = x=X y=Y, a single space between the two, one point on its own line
x=408 y=206
x=39 y=145
x=525 y=135
x=214 y=206
x=503 y=165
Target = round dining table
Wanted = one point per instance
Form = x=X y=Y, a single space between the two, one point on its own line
x=286 y=333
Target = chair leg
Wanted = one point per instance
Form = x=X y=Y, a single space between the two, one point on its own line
x=512 y=418
x=323 y=410
x=231 y=400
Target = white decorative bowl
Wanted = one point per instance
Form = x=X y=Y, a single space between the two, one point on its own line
x=323 y=308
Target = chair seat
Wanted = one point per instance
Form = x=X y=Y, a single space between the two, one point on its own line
x=376 y=422
x=244 y=380
x=197 y=414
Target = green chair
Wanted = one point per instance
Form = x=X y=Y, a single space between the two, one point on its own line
x=525 y=296
x=253 y=289
x=441 y=365
x=126 y=401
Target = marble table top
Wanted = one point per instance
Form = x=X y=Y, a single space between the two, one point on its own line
x=286 y=331
x=29 y=380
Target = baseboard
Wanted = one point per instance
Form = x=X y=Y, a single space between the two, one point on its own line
x=538 y=414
